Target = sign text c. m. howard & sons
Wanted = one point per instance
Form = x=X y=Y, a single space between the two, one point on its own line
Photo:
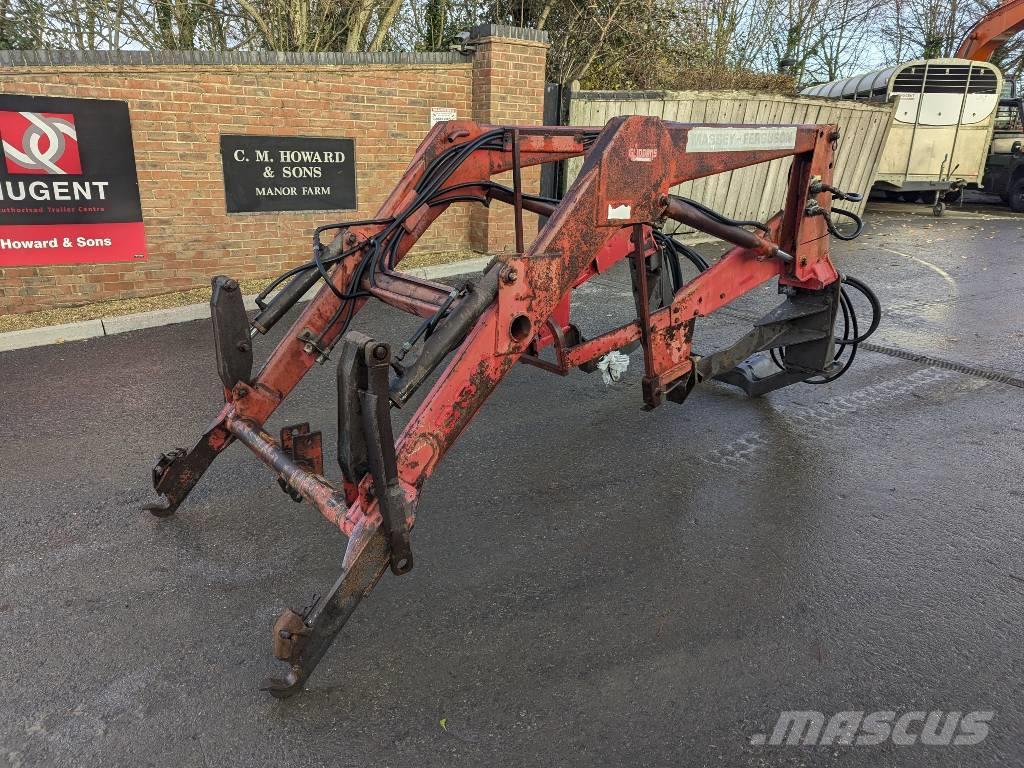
x=288 y=173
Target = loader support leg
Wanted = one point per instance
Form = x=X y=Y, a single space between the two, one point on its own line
x=803 y=324
x=177 y=473
x=380 y=444
x=302 y=641
x=230 y=332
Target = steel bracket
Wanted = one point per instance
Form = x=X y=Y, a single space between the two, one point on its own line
x=803 y=323
x=230 y=332
x=366 y=440
x=306 y=449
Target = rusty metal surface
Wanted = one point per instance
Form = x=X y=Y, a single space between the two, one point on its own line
x=366 y=559
x=313 y=488
x=289 y=634
x=304 y=447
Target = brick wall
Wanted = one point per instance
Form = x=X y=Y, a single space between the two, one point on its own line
x=508 y=92
x=179 y=110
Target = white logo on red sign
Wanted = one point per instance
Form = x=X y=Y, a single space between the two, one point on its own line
x=40 y=143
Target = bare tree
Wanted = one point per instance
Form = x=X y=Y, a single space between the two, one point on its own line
x=925 y=28
x=844 y=49
x=579 y=35
x=729 y=34
x=305 y=25
x=604 y=43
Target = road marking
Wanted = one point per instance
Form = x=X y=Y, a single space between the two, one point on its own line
x=937 y=270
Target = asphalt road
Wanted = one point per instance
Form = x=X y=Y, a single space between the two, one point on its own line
x=594 y=584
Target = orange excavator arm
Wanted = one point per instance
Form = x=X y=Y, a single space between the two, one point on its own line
x=995 y=28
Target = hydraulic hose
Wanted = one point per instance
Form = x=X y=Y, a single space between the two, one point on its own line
x=834 y=230
x=448 y=335
x=288 y=296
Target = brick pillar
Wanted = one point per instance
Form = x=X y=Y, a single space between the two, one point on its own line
x=508 y=89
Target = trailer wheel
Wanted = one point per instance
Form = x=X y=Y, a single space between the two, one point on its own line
x=1016 y=196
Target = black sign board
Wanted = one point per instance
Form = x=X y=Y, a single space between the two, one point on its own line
x=68 y=189
x=288 y=173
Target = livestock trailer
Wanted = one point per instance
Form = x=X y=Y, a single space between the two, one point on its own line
x=942 y=124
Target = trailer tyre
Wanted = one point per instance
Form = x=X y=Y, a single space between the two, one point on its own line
x=1016 y=196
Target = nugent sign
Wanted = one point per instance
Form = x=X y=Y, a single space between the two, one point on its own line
x=68 y=189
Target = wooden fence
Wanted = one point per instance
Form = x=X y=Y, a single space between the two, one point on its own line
x=755 y=192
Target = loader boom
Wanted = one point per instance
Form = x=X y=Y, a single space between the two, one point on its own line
x=518 y=311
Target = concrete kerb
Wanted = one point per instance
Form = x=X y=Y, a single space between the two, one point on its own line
x=50 y=334
x=109 y=326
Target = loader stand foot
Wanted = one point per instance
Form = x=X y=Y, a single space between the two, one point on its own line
x=302 y=640
x=803 y=324
x=177 y=472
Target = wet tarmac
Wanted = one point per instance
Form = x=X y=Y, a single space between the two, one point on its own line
x=594 y=586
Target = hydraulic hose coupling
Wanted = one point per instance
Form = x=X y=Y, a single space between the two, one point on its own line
x=818 y=186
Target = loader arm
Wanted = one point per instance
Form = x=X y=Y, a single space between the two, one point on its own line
x=517 y=311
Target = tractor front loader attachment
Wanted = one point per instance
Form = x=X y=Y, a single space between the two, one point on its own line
x=516 y=311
